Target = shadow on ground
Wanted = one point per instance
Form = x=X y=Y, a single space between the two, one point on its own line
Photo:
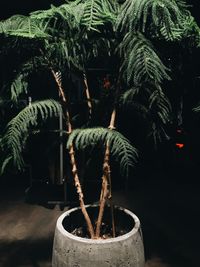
x=26 y=253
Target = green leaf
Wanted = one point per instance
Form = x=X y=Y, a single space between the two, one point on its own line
x=120 y=147
x=18 y=129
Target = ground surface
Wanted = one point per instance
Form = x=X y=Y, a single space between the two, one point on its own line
x=168 y=210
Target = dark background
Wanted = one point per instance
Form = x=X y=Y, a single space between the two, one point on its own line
x=9 y=8
x=165 y=189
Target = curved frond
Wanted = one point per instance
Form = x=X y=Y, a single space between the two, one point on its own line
x=158 y=133
x=160 y=111
x=58 y=21
x=19 y=84
x=97 y=13
x=197 y=108
x=21 y=26
x=160 y=105
x=140 y=61
x=191 y=31
x=18 y=129
x=120 y=147
x=139 y=14
x=129 y=95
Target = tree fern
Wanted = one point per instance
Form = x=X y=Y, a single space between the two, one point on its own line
x=120 y=147
x=18 y=129
x=65 y=30
x=140 y=62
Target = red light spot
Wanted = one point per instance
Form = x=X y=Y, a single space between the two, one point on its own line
x=179 y=145
x=179 y=131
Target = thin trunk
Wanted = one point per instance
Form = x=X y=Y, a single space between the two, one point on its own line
x=73 y=161
x=112 y=120
x=87 y=92
x=71 y=151
x=106 y=191
x=80 y=192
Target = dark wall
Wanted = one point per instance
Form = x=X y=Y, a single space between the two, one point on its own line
x=9 y=8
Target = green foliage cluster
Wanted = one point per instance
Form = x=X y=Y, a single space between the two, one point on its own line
x=120 y=147
x=18 y=130
x=73 y=36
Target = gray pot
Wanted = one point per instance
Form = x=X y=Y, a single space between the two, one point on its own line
x=123 y=251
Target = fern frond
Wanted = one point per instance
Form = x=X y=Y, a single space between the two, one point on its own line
x=129 y=95
x=158 y=134
x=160 y=105
x=140 y=61
x=197 y=108
x=120 y=147
x=18 y=86
x=59 y=20
x=97 y=13
x=21 y=26
x=176 y=33
x=191 y=31
x=138 y=14
x=18 y=129
x=66 y=52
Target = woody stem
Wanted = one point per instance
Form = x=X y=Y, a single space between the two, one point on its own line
x=106 y=192
x=73 y=161
x=87 y=92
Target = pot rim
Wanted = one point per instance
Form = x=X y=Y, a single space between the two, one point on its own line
x=134 y=230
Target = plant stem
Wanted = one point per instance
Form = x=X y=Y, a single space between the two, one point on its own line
x=73 y=161
x=80 y=192
x=87 y=92
x=64 y=100
x=106 y=191
x=112 y=120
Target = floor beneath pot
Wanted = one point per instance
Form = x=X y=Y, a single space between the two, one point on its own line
x=168 y=210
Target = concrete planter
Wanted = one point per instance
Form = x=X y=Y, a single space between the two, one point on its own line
x=122 y=251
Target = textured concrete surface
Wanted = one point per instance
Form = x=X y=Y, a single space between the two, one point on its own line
x=123 y=251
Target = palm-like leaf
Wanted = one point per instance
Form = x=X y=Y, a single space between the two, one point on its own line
x=18 y=129
x=191 y=31
x=153 y=105
x=129 y=96
x=97 y=13
x=18 y=87
x=159 y=101
x=22 y=26
x=140 y=62
x=120 y=147
x=19 y=84
x=139 y=14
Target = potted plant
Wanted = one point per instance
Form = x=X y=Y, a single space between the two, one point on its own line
x=63 y=42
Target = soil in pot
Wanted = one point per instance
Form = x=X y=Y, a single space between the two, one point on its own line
x=75 y=223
